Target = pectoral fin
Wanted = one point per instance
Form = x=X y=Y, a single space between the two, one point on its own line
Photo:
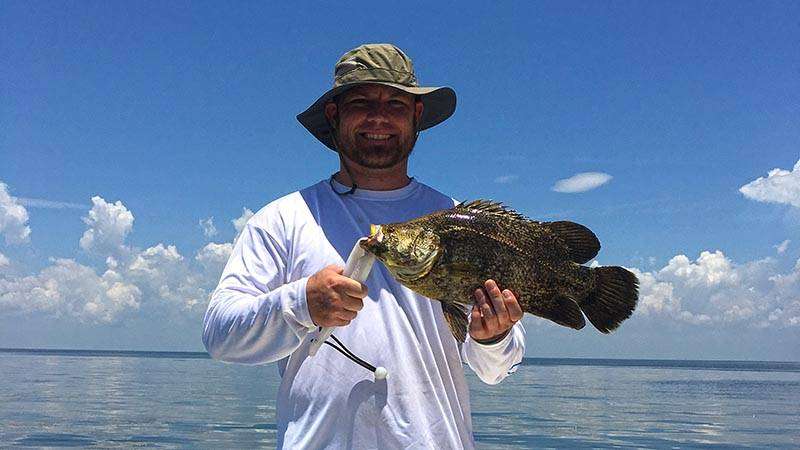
x=456 y=316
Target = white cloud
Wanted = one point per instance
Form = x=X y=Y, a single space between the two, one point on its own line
x=582 y=182
x=240 y=222
x=713 y=290
x=212 y=259
x=153 y=259
x=49 y=204
x=780 y=186
x=157 y=282
x=505 y=179
x=655 y=296
x=782 y=246
x=709 y=270
x=162 y=273
x=214 y=255
x=69 y=289
x=13 y=218
x=109 y=225
x=207 y=225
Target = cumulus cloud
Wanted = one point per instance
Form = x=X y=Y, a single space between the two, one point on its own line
x=506 y=179
x=152 y=260
x=582 y=182
x=109 y=225
x=155 y=282
x=163 y=273
x=207 y=225
x=713 y=290
x=214 y=256
x=240 y=222
x=780 y=186
x=710 y=269
x=67 y=288
x=13 y=218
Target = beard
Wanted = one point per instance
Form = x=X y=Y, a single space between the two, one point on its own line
x=376 y=156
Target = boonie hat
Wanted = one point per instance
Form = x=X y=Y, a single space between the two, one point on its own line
x=378 y=64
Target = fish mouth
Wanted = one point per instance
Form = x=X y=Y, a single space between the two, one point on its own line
x=374 y=243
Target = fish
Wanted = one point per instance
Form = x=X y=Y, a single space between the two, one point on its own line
x=448 y=254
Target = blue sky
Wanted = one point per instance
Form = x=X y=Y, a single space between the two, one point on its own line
x=684 y=115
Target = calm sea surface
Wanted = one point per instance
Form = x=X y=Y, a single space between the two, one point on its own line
x=125 y=399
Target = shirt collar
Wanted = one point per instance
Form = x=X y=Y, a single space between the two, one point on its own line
x=394 y=194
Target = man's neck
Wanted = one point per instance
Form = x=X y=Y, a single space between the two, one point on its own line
x=374 y=179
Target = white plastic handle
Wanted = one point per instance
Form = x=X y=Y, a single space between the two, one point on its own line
x=358 y=266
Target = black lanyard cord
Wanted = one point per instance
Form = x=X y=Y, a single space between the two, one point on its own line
x=343 y=350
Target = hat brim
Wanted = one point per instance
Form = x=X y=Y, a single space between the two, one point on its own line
x=439 y=103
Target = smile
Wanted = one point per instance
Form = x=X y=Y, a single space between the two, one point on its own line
x=376 y=137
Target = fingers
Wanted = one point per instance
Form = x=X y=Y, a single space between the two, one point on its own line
x=345 y=315
x=335 y=268
x=494 y=312
x=336 y=322
x=515 y=311
x=352 y=287
x=476 y=318
x=476 y=325
x=353 y=304
x=487 y=310
x=351 y=292
x=498 y=303
x=332 y=298
x=339 y=318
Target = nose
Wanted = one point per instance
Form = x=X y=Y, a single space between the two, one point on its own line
x=378 y=112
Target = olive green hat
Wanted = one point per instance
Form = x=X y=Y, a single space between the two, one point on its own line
x=378 y=64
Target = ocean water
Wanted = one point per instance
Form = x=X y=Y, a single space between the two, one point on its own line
x=126 y=399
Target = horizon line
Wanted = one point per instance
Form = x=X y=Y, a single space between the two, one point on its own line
x=205 y=355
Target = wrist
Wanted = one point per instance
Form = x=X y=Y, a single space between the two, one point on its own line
x=494 y=339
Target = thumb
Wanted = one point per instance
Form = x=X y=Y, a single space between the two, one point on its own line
x=475 y=322
x=338 y=269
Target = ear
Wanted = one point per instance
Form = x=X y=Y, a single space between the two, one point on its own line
x=330 y=112
x=418 y=107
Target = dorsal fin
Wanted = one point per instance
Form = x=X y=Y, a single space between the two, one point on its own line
x=491 y=207
x=581 y=241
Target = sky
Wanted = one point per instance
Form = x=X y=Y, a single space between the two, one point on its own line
x=136 y=138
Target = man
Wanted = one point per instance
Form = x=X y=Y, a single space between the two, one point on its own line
x=284 y=279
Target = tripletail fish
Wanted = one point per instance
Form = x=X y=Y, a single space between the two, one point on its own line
x=448 y=254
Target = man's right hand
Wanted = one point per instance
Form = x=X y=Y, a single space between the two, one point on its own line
x=333 y=299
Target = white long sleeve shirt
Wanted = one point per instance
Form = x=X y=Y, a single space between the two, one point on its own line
x=258 y=314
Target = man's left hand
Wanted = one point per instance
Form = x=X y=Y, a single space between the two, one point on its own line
x=493 y=314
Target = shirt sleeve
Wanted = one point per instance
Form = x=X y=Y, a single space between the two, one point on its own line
x=257 y=314
x=493 y=362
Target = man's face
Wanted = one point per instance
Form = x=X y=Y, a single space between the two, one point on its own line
x=375 y=125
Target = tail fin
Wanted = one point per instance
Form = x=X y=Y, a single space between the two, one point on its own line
x=614 y=298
